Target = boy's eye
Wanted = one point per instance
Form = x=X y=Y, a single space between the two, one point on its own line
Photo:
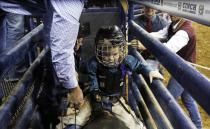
x=109 y=54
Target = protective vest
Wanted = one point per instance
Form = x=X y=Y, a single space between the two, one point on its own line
x=111 y=80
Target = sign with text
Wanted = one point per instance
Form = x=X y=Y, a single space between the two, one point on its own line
x=196 y=10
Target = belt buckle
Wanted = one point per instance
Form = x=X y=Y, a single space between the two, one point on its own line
x=114 y=99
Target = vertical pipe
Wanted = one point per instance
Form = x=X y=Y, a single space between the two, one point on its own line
x=148 y=120
x=157 y=113
x=134 y=106
x=130 y=17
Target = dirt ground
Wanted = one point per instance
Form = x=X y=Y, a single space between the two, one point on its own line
x=203 y=58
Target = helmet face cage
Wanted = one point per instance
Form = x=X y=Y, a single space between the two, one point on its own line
x=110 y=54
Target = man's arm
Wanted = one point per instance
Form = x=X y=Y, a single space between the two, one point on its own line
x=161 y=34
x=61 y=34
x=177 y=41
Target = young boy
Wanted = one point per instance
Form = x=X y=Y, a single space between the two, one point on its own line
x=106 y=73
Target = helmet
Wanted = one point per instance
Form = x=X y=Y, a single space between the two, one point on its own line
x=110 y=46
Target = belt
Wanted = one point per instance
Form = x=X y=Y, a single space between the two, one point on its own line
x=112 y=99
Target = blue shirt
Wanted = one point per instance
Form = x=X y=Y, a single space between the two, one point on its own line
x=158 y=23
x=61 y=20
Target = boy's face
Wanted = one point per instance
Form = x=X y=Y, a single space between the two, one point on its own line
x=111 y=56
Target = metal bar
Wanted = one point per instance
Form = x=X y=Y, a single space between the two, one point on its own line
x=195 y=10
x=123 y=15
x=12 y=102
x=134 y=106
x=12 y=56
x=175 y=114
x=107 y=9
x=130 y=17
x=148 y=120
x=25 y=119
x=157 y=113
x=191 y=79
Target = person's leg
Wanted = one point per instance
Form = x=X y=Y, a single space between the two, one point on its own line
x=3 y=34
x=192 y=108
x=14 y=31
x=174 y=88
x=2 y=45
x=15 y=28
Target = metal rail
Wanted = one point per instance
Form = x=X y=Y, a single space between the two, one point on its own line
x=25 y=119
x=157 y=113
x=147 y=117
x=173 y=111
x=12 y=102
x=195 y=10
x=12 y=56
x=191 y=80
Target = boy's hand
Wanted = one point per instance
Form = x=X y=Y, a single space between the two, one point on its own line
x=137 y=44
x=98 y=98
x=154 y=74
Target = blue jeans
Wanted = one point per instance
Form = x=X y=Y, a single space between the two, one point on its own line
x=2 y=34
x=176 y=90
x=14 y=31
x=15 y=28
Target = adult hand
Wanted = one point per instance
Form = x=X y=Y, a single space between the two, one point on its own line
x=155 y=74
x=75 y=97
x=137 y=44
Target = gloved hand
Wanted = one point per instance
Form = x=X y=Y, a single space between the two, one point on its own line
x=137 y=44
x=75 y=97
x=95 y=95
x=151 y=73
x=96 y=103
x=154 y=74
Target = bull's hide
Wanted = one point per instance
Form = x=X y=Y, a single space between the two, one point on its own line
x=106 y=121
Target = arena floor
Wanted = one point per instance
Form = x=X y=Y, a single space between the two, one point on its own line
x=203 y=58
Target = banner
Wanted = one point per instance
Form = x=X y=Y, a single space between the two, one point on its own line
x=195 y=10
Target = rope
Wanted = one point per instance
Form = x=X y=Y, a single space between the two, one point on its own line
x=75 y=118
x=200 y=66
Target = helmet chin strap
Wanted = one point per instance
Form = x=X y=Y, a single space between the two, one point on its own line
x=111 y=66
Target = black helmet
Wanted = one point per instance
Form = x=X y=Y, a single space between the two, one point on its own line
x=110 y=41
